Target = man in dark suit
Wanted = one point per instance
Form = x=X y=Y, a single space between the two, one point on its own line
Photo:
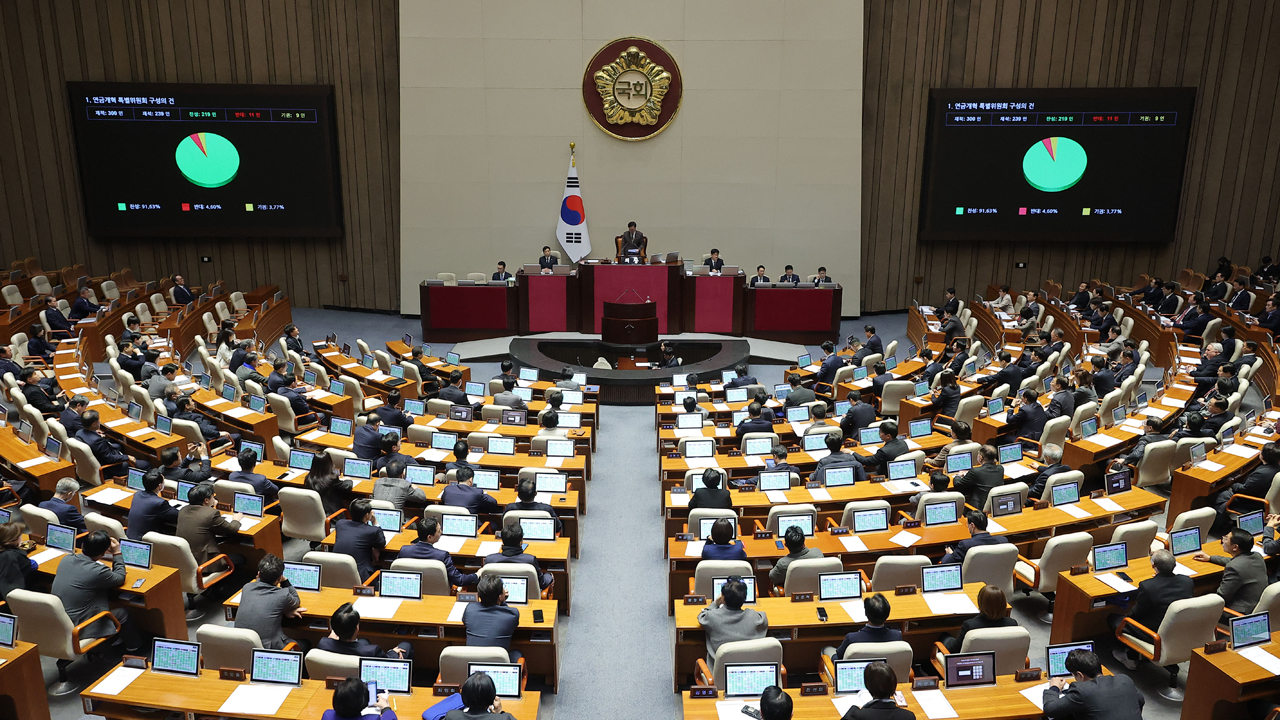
x=951 y=305
x=1104 y=381
x=951 y=327
x=114 y=462
x=452 y=392
x=830 y=363
x=344 y=636
x=501 y=274
x=753 y=423
x=391 y=414
x=63 y=504
x=1267 y=271
x=359 y=537
x=978 y=536
x=513 y=552
x=59 y=326
x=547 y=261
x=148 y=511
x=266 y=602
x=881 y=378
x=877 y=610
x=277 y=378
x=527 y=492
x=70 y=416
x=858 y=416
x=466 y=494
x=424 y=548
x=1194 y=324
x=1245 y=574
x=1154 y=597
x=203 y=526
x=1081 y=299
x=759 y=277
x=931 y=366
x=85 y=586
x=490 y=622
x=874 y=344
x=367 y=439
x=822 y=278
x=789 y=276
x=1169 y=305
x=7 y=365
x=977 y=483
x=837 y=457
x=860 y=352
x=715 y=263
x=743 y=378
x=881 y=683
x=799 y=394
x=1127 y=367
x=1052 y=456
x=711 y=495
x=173 y=467
x=186 y=410
x=1217 y=289
x=1092 y=695
x=1239 y=295
x=181 y=293
x=1255 y=485
x=1009 y=374
x=1248 y=357
x=1028 y=416
x=1151 y=434
x=633 y=241
x=248 y=460
x=1102 y=318
x=508 y=397
x=82 y=308
x=38 y=396
x=892 y=448
x=1206 y=374
x=1269 y=318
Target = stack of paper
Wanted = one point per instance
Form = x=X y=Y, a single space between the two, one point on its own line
x=1115 y=583
x=1259 y=656
x=489 y=547
x=819 y=494
x=455 y=612
x=431 y=455
x=844 y=702
x=117 y=681
x=1104 y=440
x=46 y=555
x=437 y=422
x=934 y=704
x=1017 y=470
x=1243 y=451
x=255 y=700
x=377 y=607
x=313 y=435
x=1180 y=569
x=111 y=496
x=679 y=499
x=732 y=709
x=776 y=496
x=1074 y=511
x=754 y=461
x=1035 y=694
x=238 y=412
x=720 y=407
x=694 y=548
x=1209 y=465
x=724 y=432
x=139 y=432
x=33 y=461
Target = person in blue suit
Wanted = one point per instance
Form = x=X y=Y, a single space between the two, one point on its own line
x=63 y=505
x=722 y=545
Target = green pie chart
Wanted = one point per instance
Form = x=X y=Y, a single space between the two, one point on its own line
x=1054 y=164
x=207 y=159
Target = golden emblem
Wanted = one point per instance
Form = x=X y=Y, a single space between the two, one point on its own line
x=632 y=88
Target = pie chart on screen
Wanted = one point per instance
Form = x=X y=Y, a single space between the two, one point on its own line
x=1054 y=164
x=207 y=159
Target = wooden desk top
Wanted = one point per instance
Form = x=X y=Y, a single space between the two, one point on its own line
x=1030 y=520
x=20 y=456
x=203 y=695
x=1002 y=702
x=430 y=610
x=1240 y=669
x=266 y=524
x=832 y=545
x=784 y=613
x=212 y=403
x=398 y=349
x=798 y=494
x=1140 y=569
x=782 y=430
x=516 y=431
x=557 y=549
x=19 y=649
x=152 y=576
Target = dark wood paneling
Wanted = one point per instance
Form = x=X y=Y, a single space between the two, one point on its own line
x=351 y=45
x=1228 y=49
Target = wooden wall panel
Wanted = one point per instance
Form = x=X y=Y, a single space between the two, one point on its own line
x=351 y=45
x=1228 y=49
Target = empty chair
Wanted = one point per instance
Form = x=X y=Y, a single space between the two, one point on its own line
x=222 y=646
x=742 y=651
x=1018 y=487
x=43 y=620
x=1156 y=466
x=356 y=393
x=895 y=391
x=991 y=564
x=1137 y=537
x=1202 y=518
x=38 y=519
x=1062 y=478
x=1187 y=625
x=1010 y=644
x=447 y=278
x=1060 y=553
x=94 y=521
x=337 y=570
x=894 y=570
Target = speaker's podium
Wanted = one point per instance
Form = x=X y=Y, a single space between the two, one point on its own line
x=629 y=323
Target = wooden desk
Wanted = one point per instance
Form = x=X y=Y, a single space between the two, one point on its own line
x=726 y=437
x=583 y=437
x=429 y=615
x=374 y=382
x=157 y=605
x=1005 y=701
x=181 y=327
x=191 y=696
x=1217 y=683
x=236 y=417
x=267 y=326
x=22 y=692
x=438 y=366
x=1076 y=618
x=806 y=635
x=1195 y=486
x=27 y=462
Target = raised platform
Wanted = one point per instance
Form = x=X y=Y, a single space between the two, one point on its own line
x=628 y=385
x=767 y=351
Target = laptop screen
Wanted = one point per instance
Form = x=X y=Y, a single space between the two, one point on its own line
x=851 y=675
x=995 y=407
x=8 y=630
x=970 y=669
x=940 y=513
x=61 y=537
x=184 y=490
x=551 y=482
x=922 y=388
x=941 y=578
x=1251 y=523
x=340 y=426
x=309 y=377
x=842 y=407
x=257 y=403
x=759 y=446
x=516 y=417
x=699 y=448
x=277 y=666
x=486 y=479
x=873 y=520
x=564 y=448
x=775 y=480
x=678 y=397
x=397 y=372
x=303 y=576
x=571 y=420
x=781 y=391
x=1185 y=541
x=420 y=474
x=1110 y=556
x=891 y=363
x=705 y=524
x=804 y=360
x=517 y=589
x=415 y=407
x=247 y=503
x=861 y=373
x=529 y=374
x=902 y=469
x=392 y=676
x=727 y=376
x=538 y=528
x=135 y=478
x=868 y=435
x=357 y=468
x=1250 y=630
x=1089 y=428
x=1197 y=452
x=957 y=462
x=443 y=440
x=135 y=410
x=804 y=521
x=136 y=553
x=228 y=391
x=735 y=395
x=816 y=441
x=452 y=358
x=502 y=446
x=461 y=413
x=506 y=678
x=458 y=525
x=1118 y=482
x=839 y=476
x=1058 y=657
x=569 y=398
x=1010 y=453
x=337 y=387
x=749 y=679
x=175 y=656
x=259 y=449
x=53 y=447
x=839 y=585
x=474 y=388
x=689 y=421
x=400 y=584
x=717 y=584
x=1117 y=415
x=389 y=520
x=1066 y=493
x=799 y=413
x=920 y=428
x=1007 y=504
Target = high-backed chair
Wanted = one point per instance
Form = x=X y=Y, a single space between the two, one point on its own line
x=802 y=575
x=447 y=278
x=435 y=577
x=1082 y=413
x=1010 y=644
x=708 y=569
x=174 y=552
x=356 y=393
x=1187 y=625
x=1137 y=537
x=929 y=498
x=1060 y=553
x=43 y=620
x=1018 y=487
x=1062 y=478
x=771 y=524
x=1157 y=464
x=894 y=570
x=302 y=515
x=967 y=410
x=456 y=659
x=1268 y=603
x=846 y=518
x=88 y=469
x=895 y=391
x=222 y=646
x=697 y=515
x=38 y=518
x=517 y=570
x=337 y=570
x=323 y=664
x=897 y=654
x=742 y=651
x=742 y=444
x=1202 y=518
x=94 y=521
x=287 y=419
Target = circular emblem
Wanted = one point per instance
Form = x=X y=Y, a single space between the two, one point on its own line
x=632 y=88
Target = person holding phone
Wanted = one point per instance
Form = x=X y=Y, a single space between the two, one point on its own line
x=351 y=697
x=480 y=701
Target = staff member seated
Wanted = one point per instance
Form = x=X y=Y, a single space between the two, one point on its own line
x=759 y=277
x=344 y=632
x=725 y=620
x=1245 y=574
x=743 y=378
x=366 y=441
x=754 y=422
x=714 y=262
x=424 y=548
x=822 y=278
x=547 y=261
x=82 y=308
x=508 y=398
x=491 y=622
x=513 y=552
x=452 y=392
x=799 y=394
x=789 y=276
x=722 y=545
x=501 y=274
x=980 y=481
x=877 y=610
x=148 y=511
x=978 y=536
x=891 y=449
x=1092 y=695
x=59 y=326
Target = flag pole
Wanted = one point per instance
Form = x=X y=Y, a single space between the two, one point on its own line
x=573 y=160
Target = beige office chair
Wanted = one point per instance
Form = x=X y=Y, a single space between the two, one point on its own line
x=771 y=523
x=437 y=512
x=1228 y=427
x=302 y=515
x=174 y=552
x=1156 y=466
x=1082 y=413
x=742 y=444
x=871 y=360
x=447 y=278
x=38 y=519
x=12 y=295
x=281 y=447
x=337 y=570
x=1110 y=402
x=513 y=517
x=967 y=410
x=802 y=575
x=456 y=659
x=191 y=433
x=918 y=456
x=1060 y=553
x=846 y=518
x=88 y=469
x=435 y=577
x=1271 y=500
x=356 y=393
x=287 y=419
x=1202 y=518
x=94 y=521
x=764 y=650
x=930 y=498
x=1062 y=478
x=1010 y=644
x=223 y=646
x=43 y=620
x=322 y=375
x=991 y=564
x=436 y=406
x=1018 y=487
x=895 y=391
x=1137 y=537
x=701 y=584
x=894 y=570
x=697 y=515
x=1182 y=455
x=60 y=434
x=325 y=664
x=39 y=428
x=897 y=654
x=40 y=283
x=519 y=570
x=1268 y=603
x=1187 y=625
x=225 y=490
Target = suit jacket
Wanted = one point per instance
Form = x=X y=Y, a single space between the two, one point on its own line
x=1214 y=423
x=475 y=500
x=182 y=294
x=869 y=634
x=359 y=541
x=260 y=483
x=84 y=587
x=759 y=279
x=1243 y=580
x=150 y=512
x=778 y=575
x=1241 y=301
x=107 y=452
x=132 y=364
x=1010 y=374
x=454 y=394
x=1168 y=305
x=67 y=513
x=1138 y=450
x=262 y=609
x=792 y=278
x=948 y=400
x=1104 y=381
x=723 y=624
x=884 y=455
x=1155 y=594
x=1125 y=372
x=1080 y=299
x=978 y=483
x=827 y=372
x=800 y=396
x=1106 y=697
x=1256 y=484
x=42 y=399
x=1030 y=419
x=501 y=276
x=732 y=551
x=839 y=459
x=393 y=417
x=517 y=555
x=950 y=306
x=1194 y=325
x=295 y=344
x=15 y=568
x=419 y=550
x=952 y=328
x=878 y=383
x=819 y=282
x=1270 y=320
x=367 y=442
x=56 y=320
x=182 y=472
x=885 y=709
x=858 y=416
x=355 y=648
x=70 y=420
x=632 y=239
x=714 y=263
x=82 y=308
x=509 y=399
x=705 y=497
x=743 y=381
x=535 y=506
x=200 y=526
x=398 y=491
x=931 y=370
x=208 y=430
x=753 y=425
x=1037 y=487
x=978 y=539
x=547 y=262
x=490 y=625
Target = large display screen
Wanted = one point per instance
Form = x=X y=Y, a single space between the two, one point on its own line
x=1055 y=164
x=207 y=160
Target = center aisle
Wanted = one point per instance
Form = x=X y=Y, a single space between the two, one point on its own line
x=616 y=659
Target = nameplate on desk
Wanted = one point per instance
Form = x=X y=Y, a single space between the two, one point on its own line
x=666 y=401
x=445 y=689
x=224 y=507
x=839 y=531
x=668 y=427
x=122 y=480
x=699 y=691
x=684 y=537
x=538 y=453
x=763 y=535
x=695 y=599
x=812 y=485
x=1097 y=494
x=905 y=590
x=235 y=674
x=877 y=479
x=1215 y=647
x=467 y=597
x=813 y=688
x=924 y=683
x=416 y=444
x=910 y=524
x=135 y=661
x=673 y=455
x=1041 y=504
x=679 y=490
x=735 y=453
x=281 y=463
x=1080 y=569
x=36 y=539
x=801 y=597
x=746 y=488
x=362 y=591
x=779 y=421
x=1028 y=675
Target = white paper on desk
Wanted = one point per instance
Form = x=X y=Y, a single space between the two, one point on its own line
x=316 y=394
x=844 y=702
x=349 y=365
x=246 y=523
x=913 y=445
x=378 y=375
x=720 y=407
x=819 y=494
x=642 y=364
x=772 y=403
x=694 y=548
x=377 y=607
x=238 y=412
x=732 y=709
x=1106 y=504
x=666 y=390
x=231 y=464
x=1114 y=582
x=313 y=435
x=435 y=363
x=799 y=428
x=853 y=543
x=488 y=427
x=389 y=535
x=33 y=462
x=432 y=455
x=1035 y=694
x=819 y=454
x=862 y=384
x=754 y=461
x=291 y=475
x=1134 y=423
x=677 y=499
x=554 y=462
x=46 y=555
x=451 y=543
x=139 y=432
x=1017 y=470
x=1180 y=569
x=687 y=432
x=455 y=612
x=1154 y=412
x=950 y=604
x=905 y=539
x=437 y=422
x=813 y=368
x=776 y=496
x=717 y=387
x=1243 y=451
x=100 y=401
x=1075 y=511
x=934 y=704
x=1001 y=417
x=218 y=403
x=700 y=462
x=109 y=496
x=475 y=457
x=1129 y=430
x=255 y=700
x=1209 y=465
x=62 y=365
x=1259 y=656
x=473 y=399
x=1172 y=402
x=855 y=610
x=489 y=547
x=118 y=422
x=1105 y=441
x=724 y=432
x=117 y=681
